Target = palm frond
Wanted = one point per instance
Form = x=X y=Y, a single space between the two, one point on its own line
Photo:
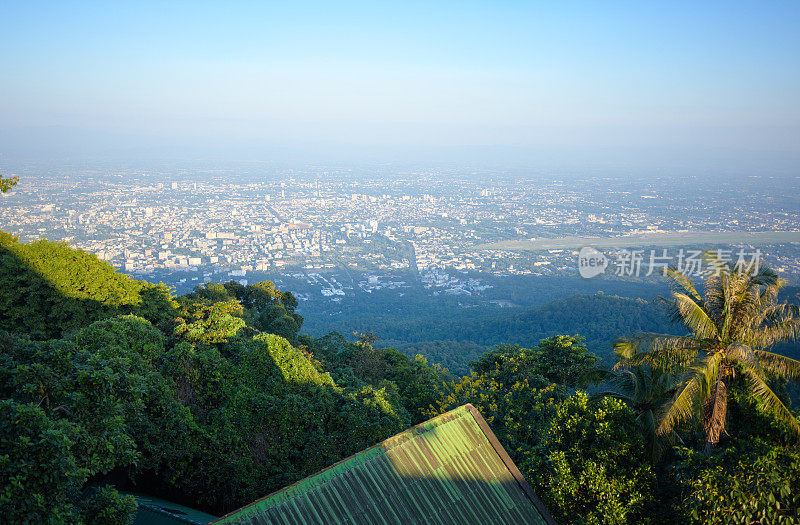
x=694 y=316
x=768 y=278
x=656 y=444
x=778 y=365
x=695 y=387
x=735 y=291
x=743 y=354
x=656 y=349
x=623 y=383
x=716 y=289
x=771 y=333
x=749 y=311
x=779 y=312
x=770 y=402
x=648 y=423
x=736 y=317
x=679 y=281
x=762 y=298
x=591 y=377
x=645 y=390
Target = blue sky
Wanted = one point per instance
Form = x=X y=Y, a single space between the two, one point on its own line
x=712 y=83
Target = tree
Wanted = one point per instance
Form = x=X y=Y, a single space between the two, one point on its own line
x=645 y=389
x=209 y=323
x=751 y=481
x=412 y=383
x=518 y=413
x=731 y=326
x=591 y=467
x=7 y=183
x=75 y=410
x=566 y=360
x=561 y=359
x=48 y=289
x=266 y=308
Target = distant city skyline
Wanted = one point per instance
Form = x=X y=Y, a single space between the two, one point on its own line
x=692 y=88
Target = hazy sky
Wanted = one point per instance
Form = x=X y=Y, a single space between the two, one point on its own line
x=627 y=83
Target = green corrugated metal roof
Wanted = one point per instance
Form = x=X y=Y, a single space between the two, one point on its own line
x=450 y=469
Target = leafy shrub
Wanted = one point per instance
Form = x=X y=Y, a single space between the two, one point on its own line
x=749 y=482
x=39 y=474
x=106 y=506
x=591 y=466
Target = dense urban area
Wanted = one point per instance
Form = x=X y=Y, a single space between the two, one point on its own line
x=447 y=230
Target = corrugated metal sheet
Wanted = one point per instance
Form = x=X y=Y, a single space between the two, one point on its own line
x=450 y=469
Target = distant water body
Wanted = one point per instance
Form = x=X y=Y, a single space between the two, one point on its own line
x=679 y=238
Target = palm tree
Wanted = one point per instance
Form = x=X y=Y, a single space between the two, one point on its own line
x=645 y=389
x=732 y=325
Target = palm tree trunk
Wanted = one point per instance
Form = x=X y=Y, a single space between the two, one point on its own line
x=714 y=411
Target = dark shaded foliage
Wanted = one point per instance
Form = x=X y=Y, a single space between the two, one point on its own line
x=195 y=405
x=410 y=382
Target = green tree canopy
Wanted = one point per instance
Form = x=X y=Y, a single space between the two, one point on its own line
x=264 y=307
x=591 y=466
x=750 y=482
x=560 y=359
x=7 y=183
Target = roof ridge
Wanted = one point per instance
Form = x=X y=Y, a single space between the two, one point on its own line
x=510 y=465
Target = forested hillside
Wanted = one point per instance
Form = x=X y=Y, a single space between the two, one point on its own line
x=201 y=398
x=599 y=318
x=454 y=341
x=216 y=398
x=47 y=289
